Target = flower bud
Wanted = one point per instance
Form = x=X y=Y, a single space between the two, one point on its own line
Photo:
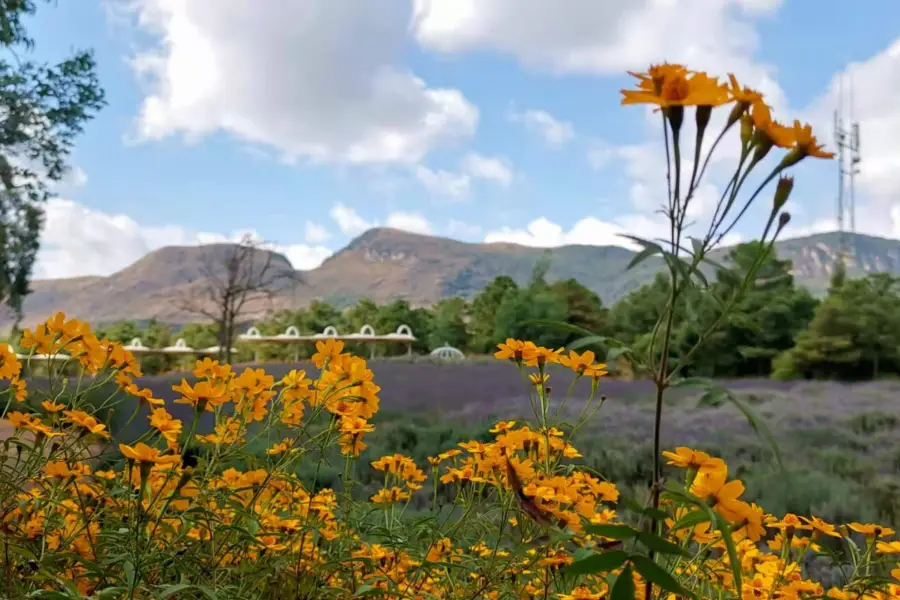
x=675 y=114
x=792 y=158
x=702 y=117
x=746 y=129
x=782 y=192
x=783 y=219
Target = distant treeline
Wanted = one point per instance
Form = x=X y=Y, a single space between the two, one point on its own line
x=778 y=329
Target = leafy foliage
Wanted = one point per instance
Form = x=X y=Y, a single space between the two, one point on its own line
x=44 y=109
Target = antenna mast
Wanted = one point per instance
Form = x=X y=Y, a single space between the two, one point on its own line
x=846 y=141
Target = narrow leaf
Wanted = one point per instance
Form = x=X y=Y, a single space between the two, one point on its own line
x=613 y=532
x=657 y=544
x=655 y=574
x=597 y=563
x=650 y=249
x=692 y=519
x=623 y=588
x=723 y=527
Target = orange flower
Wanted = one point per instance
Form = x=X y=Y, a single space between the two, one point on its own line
x=513 y=350
x=88 y=422
x=674 y=87
x=203 y=395
x=806 y=144
x=142 y=453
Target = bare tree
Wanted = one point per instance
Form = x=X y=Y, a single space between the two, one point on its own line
x=236 y=280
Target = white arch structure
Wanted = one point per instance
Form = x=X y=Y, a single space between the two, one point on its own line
x=366 y=334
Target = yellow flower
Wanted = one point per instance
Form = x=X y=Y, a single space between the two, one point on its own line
x=165 y=424
x=871 y=530
x=202 y=396
x=687 y=458
x=142 y=453
x=327 y=350
x=86 y=421
x=538 y=356
x=513 y=350
x=583 y=364
x=675 y=87
x=390 y=496
x=10 y=367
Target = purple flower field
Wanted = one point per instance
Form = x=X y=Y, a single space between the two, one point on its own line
x=474 y=392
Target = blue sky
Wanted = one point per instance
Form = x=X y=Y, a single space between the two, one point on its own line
x=312 y=120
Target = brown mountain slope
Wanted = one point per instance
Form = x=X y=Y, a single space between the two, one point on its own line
x=385 y=264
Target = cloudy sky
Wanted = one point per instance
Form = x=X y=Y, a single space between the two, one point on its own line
x=309 y=121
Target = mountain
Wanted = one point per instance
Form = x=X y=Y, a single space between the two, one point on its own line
x=385 y=264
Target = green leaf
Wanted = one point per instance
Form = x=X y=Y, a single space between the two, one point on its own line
x=656 y=575
x=696 y=247
x=650 y=249
x=623 y=588
x=657 y=544
x=613 y=532
x=171 y=590
x=718 y=395
x=635 y=506
x=759 y=426
x=588 y=340
x=612 y=355
x=364 y=590
x=560 y=325
x=597 y=563
x=701 y=382
x=692 y=519
x=723 y=527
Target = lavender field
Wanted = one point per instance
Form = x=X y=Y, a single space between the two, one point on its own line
x=840 y=443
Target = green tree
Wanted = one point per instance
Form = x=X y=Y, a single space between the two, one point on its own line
x=397 y=313
x=483 y=313
x=760 y=326
x=635 y=315
x=521 y=310
x=44 y=108
x=855 y=334
x=157 y=335
x=448 y=325
x=122 y=332
x=364 y=312
x=584 y=307
x=199 y=335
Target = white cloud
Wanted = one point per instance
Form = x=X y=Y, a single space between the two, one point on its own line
x=408 y=221
x=78 y=240
x=316 y=233
x=287 y=78
x=588 y=231
x=348 y=220
x=594 y=37
x=554 y=132
x=488 y=167
x=444 y=183
x=351 y=223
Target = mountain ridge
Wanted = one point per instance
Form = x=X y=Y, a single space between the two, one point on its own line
x=385 y=264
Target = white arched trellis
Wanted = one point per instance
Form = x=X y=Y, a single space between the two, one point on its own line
x=447 y=352
x=329 y=332
x=135 y=346
x=252 y=333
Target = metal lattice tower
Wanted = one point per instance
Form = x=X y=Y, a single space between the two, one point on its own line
x=848 y=159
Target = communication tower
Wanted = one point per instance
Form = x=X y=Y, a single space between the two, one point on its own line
x=848 y=159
